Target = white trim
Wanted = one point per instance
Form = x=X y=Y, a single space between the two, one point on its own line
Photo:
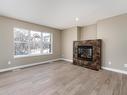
x=114 y=70
x=69 y=60
x=28 y=65
x=105 y=68
x=39 y=63
x=28 y=42
x=31 y=55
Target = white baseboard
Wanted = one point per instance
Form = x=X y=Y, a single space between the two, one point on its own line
x=105 y=68
x=114 y=70
x=28 y=65
x=69 y=60
x=34 y=64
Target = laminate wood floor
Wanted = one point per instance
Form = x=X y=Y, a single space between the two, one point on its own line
x=62 y=78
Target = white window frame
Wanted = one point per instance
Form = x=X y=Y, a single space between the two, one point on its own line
x=32 y=55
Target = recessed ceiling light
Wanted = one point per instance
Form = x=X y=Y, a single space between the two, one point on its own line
x=76 y=19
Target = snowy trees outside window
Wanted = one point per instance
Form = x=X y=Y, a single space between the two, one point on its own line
x=32 y=42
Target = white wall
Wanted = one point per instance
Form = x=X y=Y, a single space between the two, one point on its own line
x=113 y=32
x=68 y=36
x=89 y=32
x=7 y=45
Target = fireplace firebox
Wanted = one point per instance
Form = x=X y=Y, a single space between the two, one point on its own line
x=85 y=53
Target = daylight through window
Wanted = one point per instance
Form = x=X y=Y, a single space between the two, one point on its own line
x=28 y=43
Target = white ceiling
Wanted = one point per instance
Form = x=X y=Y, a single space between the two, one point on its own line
x=62 y=13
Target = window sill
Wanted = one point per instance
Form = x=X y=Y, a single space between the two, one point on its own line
x=34 y=55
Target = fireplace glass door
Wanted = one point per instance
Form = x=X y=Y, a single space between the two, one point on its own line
x=85 y=53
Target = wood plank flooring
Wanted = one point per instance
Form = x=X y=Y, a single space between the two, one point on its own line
x=62 y=78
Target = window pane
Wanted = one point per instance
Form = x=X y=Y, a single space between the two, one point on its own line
x=31 y=42
x=21 y=49
x=46 y=43
x=35 y=42
x=21 y=35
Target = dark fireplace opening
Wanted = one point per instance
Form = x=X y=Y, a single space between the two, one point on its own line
x=85 y=53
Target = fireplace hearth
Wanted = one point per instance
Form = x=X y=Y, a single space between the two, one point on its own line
x=87 y=53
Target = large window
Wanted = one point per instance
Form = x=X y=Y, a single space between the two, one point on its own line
x=30 y=43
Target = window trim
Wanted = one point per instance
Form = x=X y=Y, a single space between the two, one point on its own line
x=33 y=55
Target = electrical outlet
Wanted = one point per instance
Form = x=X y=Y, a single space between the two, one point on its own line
x=16 y=70
x=62 y=56
x=9 y=62
x=125 y=65
x=109 y=62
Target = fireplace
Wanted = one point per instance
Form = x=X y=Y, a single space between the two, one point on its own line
x=85 y=53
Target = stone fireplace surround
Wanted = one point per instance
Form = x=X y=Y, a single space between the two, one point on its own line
x=95 y=63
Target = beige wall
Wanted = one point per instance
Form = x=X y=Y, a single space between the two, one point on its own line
x=113 y=32
x=6 y=43
x=74 y=34
x=88 y=32
x=68 y=36
x=79 y=33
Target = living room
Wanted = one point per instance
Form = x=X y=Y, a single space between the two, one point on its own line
x=63 y=47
